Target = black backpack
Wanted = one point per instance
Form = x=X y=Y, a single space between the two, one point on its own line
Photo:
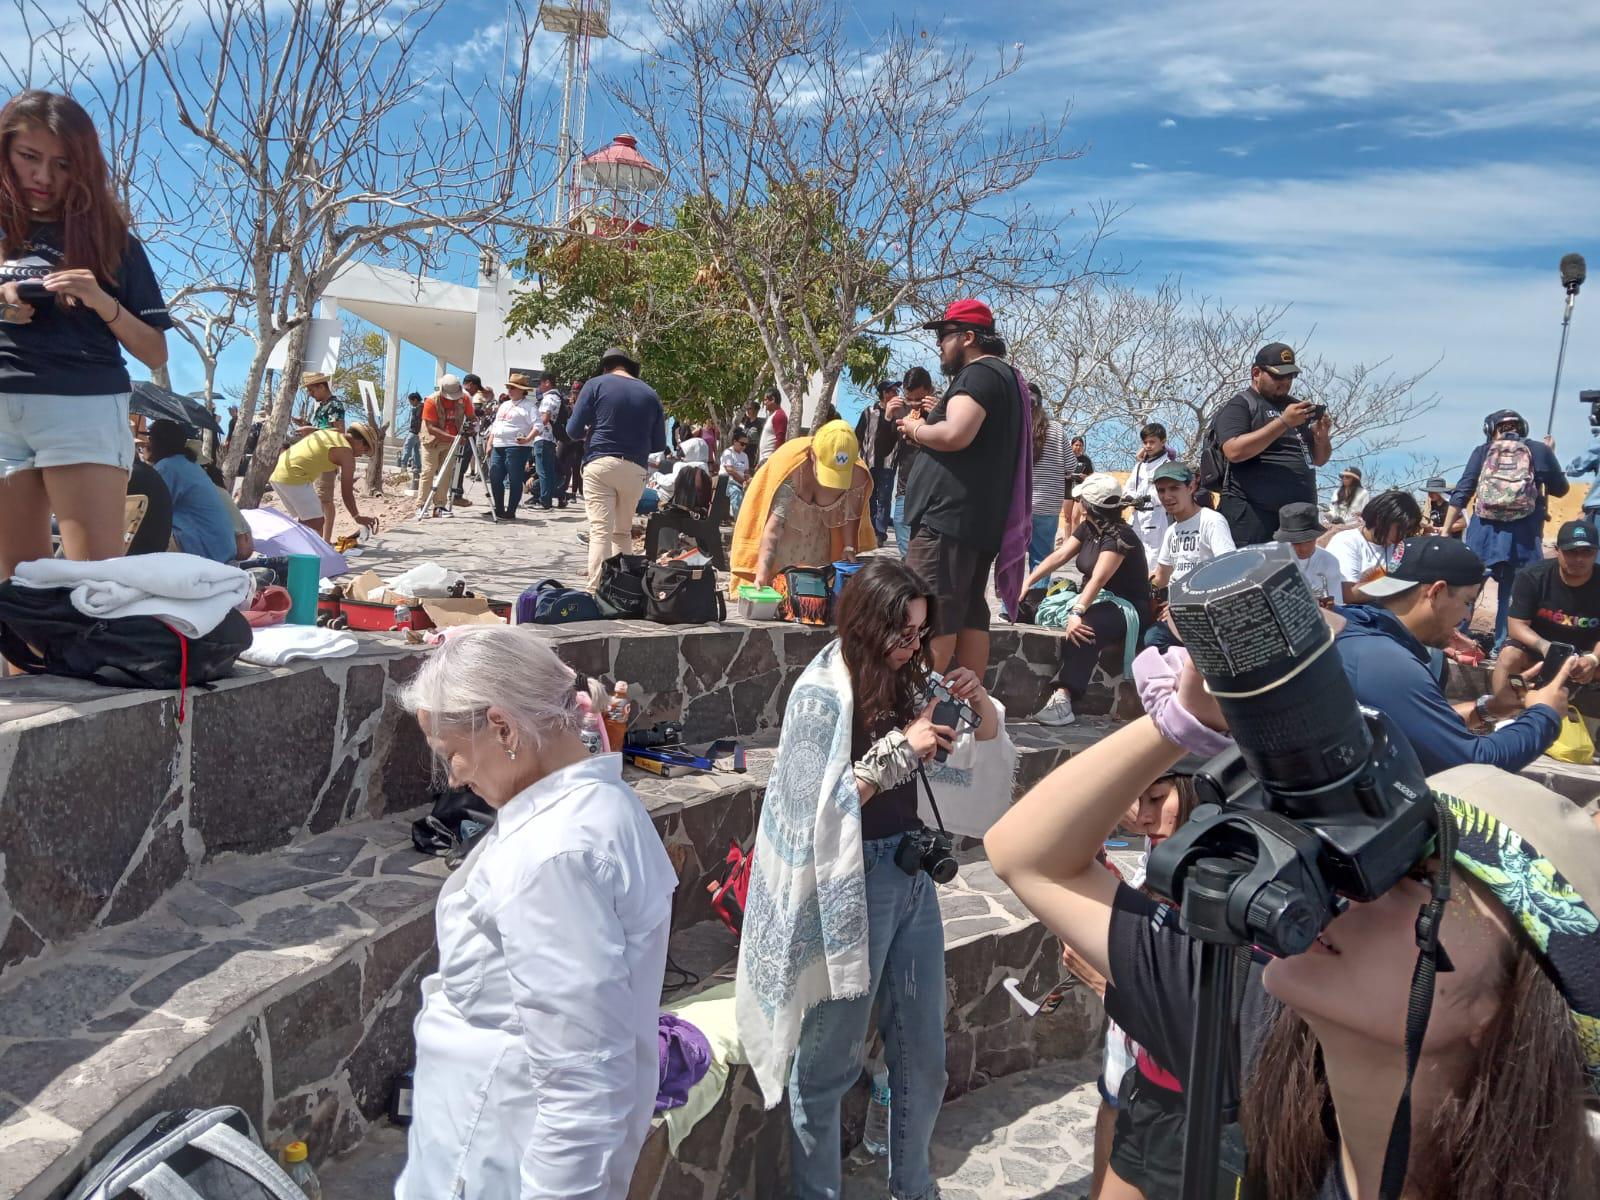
x=1214 y=464
x=458 y=819
x=621 y=592
x=42 y=634
x=678 y=594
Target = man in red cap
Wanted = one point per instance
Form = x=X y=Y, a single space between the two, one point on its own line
x=959 y=492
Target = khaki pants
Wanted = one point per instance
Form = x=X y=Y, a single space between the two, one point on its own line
x=611 y=491
x=434 y=453
x=327 y=485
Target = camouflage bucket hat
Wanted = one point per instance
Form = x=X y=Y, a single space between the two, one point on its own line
x=1539 y=855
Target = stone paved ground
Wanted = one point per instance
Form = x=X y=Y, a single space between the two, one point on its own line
x=1028 y=1136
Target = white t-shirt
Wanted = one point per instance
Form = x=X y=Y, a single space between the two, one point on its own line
x=1150 y=524
x=1189 y=543
x=1357 y=557
x=549 y=409
x=1322 y=575
x=513 y=419
x=739 y=461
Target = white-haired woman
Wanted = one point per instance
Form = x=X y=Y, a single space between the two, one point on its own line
x=537 y=1061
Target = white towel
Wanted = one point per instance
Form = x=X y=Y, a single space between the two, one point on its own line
x=275 y=645
x=190 y=593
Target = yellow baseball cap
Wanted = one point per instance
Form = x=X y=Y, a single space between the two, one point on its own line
x=833 y=450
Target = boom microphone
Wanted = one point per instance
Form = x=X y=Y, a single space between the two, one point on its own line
x=1573 y=271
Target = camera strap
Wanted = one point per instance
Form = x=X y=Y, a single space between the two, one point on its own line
x=932 y=803
x=1431 y=959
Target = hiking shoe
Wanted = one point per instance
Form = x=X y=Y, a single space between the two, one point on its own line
x=462 y=502
x=1057 y=711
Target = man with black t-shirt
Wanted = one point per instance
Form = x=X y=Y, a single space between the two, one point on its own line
x=1273 y=444
x=959 y=491
x=1553 y=600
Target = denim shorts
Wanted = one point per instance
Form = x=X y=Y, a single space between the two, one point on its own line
x=64 y=431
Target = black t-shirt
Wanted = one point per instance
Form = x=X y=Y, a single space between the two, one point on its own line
x=1557 y=611
x=965 y=494
x=155 y=531
x=70 y=351
x=890 y=812
x=1130 y=581
x=1155 y=994
x=1282 y=473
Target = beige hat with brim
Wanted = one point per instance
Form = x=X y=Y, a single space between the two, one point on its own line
x=312 y=378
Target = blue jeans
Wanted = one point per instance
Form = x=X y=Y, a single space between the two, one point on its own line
x=905 y=951
x=544 y=452
x=508 y=468
x=1041 y=541
x=411 y=453
x=882 y=500
x=735 y=499
x=902 y=531
x=1503 y=574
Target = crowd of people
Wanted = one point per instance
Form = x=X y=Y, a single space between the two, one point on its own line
x=537 y=1040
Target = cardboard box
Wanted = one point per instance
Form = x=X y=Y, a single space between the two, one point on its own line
x=468 y=610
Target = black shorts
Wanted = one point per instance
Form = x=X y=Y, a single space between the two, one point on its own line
x=957 y=574
x=1147 y=1148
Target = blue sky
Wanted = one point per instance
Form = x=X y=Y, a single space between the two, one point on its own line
x=1407 y=176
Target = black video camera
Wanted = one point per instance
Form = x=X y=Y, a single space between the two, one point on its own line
x=1591 y=397
x=1320 y=801
x=927 y=850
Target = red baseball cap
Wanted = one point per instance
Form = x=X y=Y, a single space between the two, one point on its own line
x=964 y=312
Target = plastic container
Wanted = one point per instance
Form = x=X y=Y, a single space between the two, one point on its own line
x=875 y=1138
x=759 y=603
x=842 y=571
x=304 y=576
x=298 y=1168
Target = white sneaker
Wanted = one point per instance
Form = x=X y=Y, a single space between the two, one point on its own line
x=1057 y=711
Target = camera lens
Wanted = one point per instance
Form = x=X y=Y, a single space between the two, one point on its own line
x=1254 y=631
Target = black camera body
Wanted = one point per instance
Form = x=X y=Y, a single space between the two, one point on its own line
x=927 y=850
x=1591 y=397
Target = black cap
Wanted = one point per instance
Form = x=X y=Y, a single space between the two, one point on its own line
x=1575 y=535
x=1277 y=359
x=885 y=386
x=1299 y=522
x=1428 y=560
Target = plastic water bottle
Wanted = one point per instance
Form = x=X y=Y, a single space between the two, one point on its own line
x=876 y=1138
x=618 y=710
x=298 y=1168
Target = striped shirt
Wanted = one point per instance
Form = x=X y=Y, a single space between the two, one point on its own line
x=1050 y=472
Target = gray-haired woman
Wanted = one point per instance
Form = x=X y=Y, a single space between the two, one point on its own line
x=537 y=1061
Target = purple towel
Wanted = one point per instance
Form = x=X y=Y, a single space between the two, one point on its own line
x=685 y=1055
x=1011 y=564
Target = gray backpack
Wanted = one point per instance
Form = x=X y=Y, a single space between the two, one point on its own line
x=190 y=1154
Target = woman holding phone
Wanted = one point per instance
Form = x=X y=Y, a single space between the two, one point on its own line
x=76 y=291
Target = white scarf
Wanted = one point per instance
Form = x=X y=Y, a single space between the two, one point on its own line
x=805 y=926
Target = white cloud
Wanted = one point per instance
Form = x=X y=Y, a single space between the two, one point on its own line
x=1194 y=57
x=1236 y=151
x=1140 y=166
x=1168 y=123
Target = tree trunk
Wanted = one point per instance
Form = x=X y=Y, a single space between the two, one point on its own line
x=277 y=425
x=247 y=408
x=380 y=434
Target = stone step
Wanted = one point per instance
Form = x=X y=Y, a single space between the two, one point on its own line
x=286 y=982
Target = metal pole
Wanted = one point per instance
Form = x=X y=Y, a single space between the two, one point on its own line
x=563 y=153
x=1561 y=356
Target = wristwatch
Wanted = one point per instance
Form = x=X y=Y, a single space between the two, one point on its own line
x=1481 y=707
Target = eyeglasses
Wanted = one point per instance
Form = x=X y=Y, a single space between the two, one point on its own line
x=947 y=333
x=909 y=639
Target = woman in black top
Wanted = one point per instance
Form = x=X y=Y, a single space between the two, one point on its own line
x=75 y=290
x=1509 y=1060
x=1111 y=560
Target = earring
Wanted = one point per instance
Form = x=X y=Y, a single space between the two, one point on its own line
x=511 y=754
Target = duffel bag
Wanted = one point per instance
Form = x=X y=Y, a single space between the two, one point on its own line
x=551 y=602
x=621 y=592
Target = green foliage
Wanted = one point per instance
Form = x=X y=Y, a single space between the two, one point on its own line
x=362 y=355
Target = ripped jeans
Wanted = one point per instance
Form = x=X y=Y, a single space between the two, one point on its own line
x=905 y=949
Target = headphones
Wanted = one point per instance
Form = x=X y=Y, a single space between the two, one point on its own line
x=1494 y=420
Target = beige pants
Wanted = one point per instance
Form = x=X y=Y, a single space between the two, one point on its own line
x=611 y=491
x=433 y=456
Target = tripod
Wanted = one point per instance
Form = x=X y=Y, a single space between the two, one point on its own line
x=466 y=445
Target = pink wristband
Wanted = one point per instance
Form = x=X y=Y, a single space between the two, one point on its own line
x=1155 y=674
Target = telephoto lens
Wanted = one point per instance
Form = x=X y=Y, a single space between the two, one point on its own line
x=1252 y=628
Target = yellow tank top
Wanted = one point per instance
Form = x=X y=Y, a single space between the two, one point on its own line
x=308 y=458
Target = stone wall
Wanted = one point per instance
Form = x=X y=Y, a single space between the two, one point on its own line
x=107 y=801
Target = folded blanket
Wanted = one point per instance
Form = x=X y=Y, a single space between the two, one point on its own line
x=278 y=644
x=190 y=593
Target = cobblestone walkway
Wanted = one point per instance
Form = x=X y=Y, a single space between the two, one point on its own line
x=1028 y=1136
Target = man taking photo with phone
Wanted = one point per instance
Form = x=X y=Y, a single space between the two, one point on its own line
x=1554 y=602
x=1272 y=444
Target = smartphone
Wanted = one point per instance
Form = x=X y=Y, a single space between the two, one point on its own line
x=951 y=713
x=32 y=291
x=1555 y=658
x=1318 y=411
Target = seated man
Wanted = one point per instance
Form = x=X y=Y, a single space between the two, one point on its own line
x=1384 y=648
x=1553 y=600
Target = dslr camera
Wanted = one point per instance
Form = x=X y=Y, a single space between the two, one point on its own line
x=927 y=850
x=1591 y=397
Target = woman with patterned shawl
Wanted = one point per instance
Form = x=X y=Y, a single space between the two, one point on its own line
x=833 y=922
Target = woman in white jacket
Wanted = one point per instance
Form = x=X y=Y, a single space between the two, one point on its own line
x=537 y=1061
